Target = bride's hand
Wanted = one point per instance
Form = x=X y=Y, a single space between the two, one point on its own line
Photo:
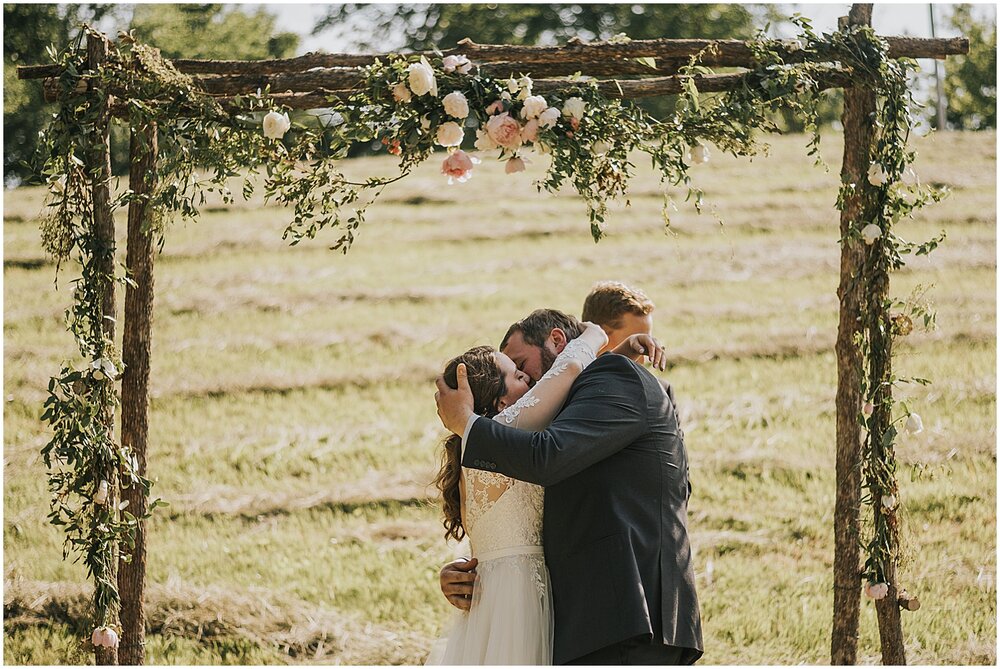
x=639 y=345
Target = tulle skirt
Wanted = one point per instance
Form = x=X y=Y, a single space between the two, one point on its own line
x=511 y=617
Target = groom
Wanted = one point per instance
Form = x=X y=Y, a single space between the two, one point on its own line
x=615 y=528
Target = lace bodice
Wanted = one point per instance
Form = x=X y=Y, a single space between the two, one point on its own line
x=502 y=512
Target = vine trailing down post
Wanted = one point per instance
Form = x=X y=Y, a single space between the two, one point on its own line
x=413 y=104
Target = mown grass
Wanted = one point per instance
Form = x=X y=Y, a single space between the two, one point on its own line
x=293 y=428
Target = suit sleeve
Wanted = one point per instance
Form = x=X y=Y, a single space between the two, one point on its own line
x=604 y=415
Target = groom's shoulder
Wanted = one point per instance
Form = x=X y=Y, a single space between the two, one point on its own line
x=612 y=363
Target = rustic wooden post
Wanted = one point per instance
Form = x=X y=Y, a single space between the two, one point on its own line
x=859 y=104
x=99 y=164
x=135 y=382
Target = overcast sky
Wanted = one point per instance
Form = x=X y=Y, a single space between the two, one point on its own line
x=888 y=19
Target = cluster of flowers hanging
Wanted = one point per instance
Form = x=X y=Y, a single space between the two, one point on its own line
x=415 y=106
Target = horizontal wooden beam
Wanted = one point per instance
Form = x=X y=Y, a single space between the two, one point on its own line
x=606 y=58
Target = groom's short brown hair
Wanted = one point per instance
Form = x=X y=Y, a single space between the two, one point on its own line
x=608 y=301
x=536 y=327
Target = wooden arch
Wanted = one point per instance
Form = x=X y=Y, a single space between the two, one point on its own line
x=309 y=81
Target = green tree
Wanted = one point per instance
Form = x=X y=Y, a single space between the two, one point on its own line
x=421 y=27
x=179 y=30
x=970 y=82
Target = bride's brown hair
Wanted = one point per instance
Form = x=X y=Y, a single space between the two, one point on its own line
x=488 y=386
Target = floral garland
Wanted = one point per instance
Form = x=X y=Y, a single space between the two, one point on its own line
x=411 y=105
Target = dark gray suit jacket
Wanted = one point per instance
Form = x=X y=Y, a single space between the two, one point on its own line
x=615 y=473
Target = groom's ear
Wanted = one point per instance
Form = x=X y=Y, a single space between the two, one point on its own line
x=559 y=339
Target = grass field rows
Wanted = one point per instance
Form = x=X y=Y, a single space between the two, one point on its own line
x=293 y=427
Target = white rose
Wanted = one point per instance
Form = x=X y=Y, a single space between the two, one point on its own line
x=524 y=83
x=400 y=93
x=533 y=106
x=870 y=233
x=513 y=86
x=888 y=502
x=484 y=142
x=101 y=496
x=910 y=177
x=574 y=107
x=914 y=425
x=877 y=175
x=548 y=118
x=456 y=105
x=699 y=154
x=505 y=96
x=458 y=64
x=600 y=147
x=276 y=125
x=421 y=78
x=450 y=134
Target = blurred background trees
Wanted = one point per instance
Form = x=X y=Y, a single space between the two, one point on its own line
x=251 y=31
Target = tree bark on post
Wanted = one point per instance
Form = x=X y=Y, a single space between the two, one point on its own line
x=136 y=346
x=859 y=104
x=99 y=164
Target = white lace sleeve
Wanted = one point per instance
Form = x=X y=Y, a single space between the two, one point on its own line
x=536 y=409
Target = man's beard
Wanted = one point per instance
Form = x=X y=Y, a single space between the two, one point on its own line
x=548 y=357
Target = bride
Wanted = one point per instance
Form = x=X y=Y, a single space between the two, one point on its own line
x=510 y=620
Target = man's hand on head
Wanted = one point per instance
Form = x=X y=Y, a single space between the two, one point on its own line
x=455 y=406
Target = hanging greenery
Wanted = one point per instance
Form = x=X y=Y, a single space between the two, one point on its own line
x=412 y=106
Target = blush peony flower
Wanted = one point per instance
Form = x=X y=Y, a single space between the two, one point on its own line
x=515 y=164
x=459 y=64
x=868 y=409
x=533 y=106
x=458 y=166
x=699 y=154
x=101 y=496
x=876 y=590
x=574 y=108
x=421 y=78
x=400 y=93
x=529 y=133
x=456 y=105
x=914 y=424
x=104 y=636
x=548 y=118
x=870 y=233
x=276 y=125
x=877 y=175
x=504 y=130
x=483 y=141
x=450 y=134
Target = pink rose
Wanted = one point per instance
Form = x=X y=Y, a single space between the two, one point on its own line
x=876 y=590
x=458 y=165
x=515 y=164
x=104 y=636
x=495 y=107
x=529 y=133
x=504 y=130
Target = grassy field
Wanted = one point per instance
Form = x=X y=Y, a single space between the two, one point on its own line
x=293 y=429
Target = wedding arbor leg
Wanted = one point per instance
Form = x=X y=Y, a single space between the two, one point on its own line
x=135 y=382
x=859 y=103
x=99 y=164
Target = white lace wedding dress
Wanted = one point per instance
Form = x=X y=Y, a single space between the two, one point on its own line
x=510 y=621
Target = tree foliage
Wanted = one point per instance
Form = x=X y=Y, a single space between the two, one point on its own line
x=971 y=81
x=179 y=30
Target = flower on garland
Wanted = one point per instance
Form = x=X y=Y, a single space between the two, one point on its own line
x=458 y=166
x=699 y=154
x=101 y=496
x=515 y=164
x=914 y=424
x=889 y=502
x=450 y=134
x=484 y=142
x=877 y=175
x=400 y=93
x=104 y=636
x=504 y=130
x=574 y=108
x=870 y=233
x=276 y=125
x=876 y=591
x=548 y=118
x=529 y=133
x=103 y=368
x=533 y=107
x=459 y=64
x=868 y=409
x=456 y=105
x=421 y=78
